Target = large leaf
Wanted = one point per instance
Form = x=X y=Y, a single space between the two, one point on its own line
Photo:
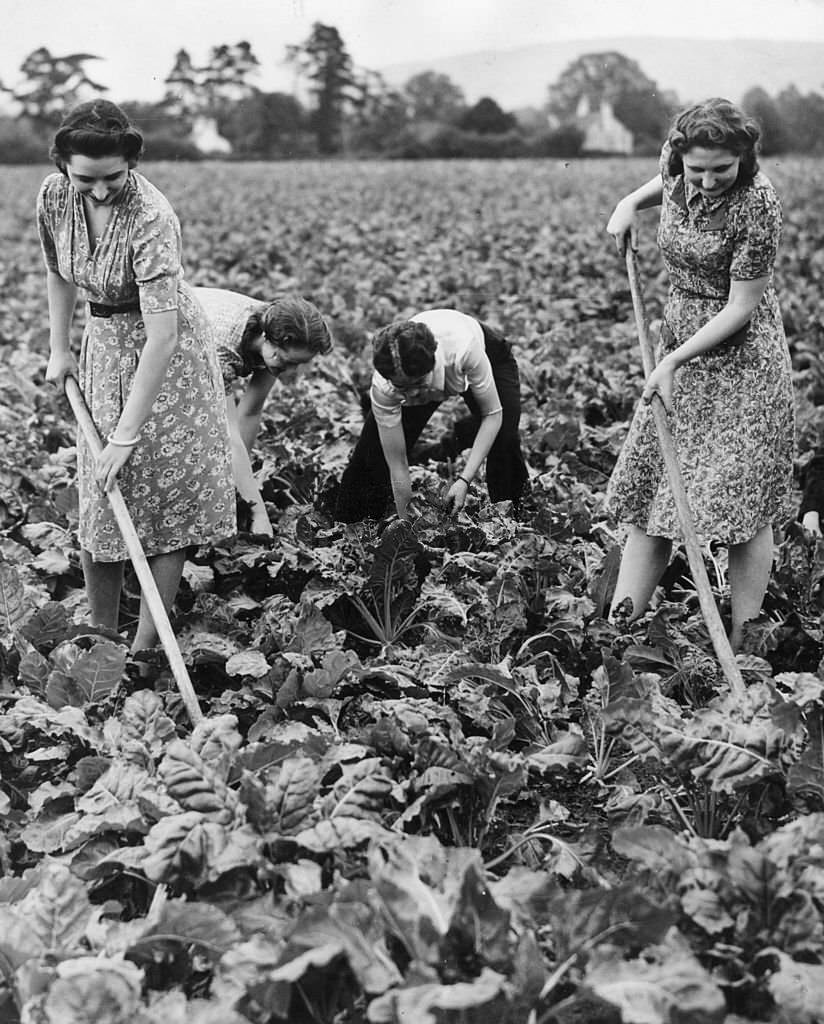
x=469 y=1001
x=656 y=847
x=479 y=922
x=352 y=926
x=806 y=776
x=182 y=848
x=175 y=1008
x=245 y=967
x=216 y=739
x=195 y=786
x=142 y=720
x=290 y=804
x=416 y=913
x=53 y=721
x=725 y=746
x=120 y=784
x=339 y=832
x=625 y=915
x=62 y=691
x=99 y=670
x=58 y=910
x=393 y=561
x=18 y=943
x=94 y=990
x=48 y=626
x=798 y=990
x=321 y=682
x=668 y=988
x=251 y=663
x=360 y=792
x=34 y=672
x=184 y=924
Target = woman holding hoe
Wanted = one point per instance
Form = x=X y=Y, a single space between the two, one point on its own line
x=148 y=365
x=723 y=370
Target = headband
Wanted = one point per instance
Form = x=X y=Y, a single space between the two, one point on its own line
x=397 y=365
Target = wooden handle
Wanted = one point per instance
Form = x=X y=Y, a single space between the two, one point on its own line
x=138 y=557
x=715 y=626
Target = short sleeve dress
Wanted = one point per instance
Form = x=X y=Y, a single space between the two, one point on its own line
x=733 y=419
x=228 y=313
x=178 y=482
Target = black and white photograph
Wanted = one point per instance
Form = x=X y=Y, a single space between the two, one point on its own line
x=412 y=512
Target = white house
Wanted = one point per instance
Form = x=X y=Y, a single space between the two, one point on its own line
x=603 y=132
x=206 y=136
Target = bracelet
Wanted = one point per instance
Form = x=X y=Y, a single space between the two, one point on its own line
x=467 y=482
x=122 y=444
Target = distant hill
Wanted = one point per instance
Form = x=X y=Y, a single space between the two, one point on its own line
x=693 y=68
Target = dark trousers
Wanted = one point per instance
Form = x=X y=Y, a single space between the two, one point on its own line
x=812 y=499
x=365 y=488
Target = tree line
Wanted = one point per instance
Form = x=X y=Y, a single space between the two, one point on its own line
x=340 y=109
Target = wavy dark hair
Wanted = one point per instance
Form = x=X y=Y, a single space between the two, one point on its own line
x=289 y=322
x=405 y=347
x=715 y=123
x=96 y=129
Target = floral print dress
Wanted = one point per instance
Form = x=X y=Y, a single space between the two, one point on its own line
x=178 y=483
x=228 y=312
x=733 y=420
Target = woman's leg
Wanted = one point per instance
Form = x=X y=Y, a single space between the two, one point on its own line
x=642 y=564
x=166 y=570
x=749 y=566
x=104 y=581
x=365 y=488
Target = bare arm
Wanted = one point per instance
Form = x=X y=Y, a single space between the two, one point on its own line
x=743 y=298
x=62 y=296
x=491 y=419
x=622 y=221
x=393 y=444
x=244 y=476
x=161 y=341
x=250 y=405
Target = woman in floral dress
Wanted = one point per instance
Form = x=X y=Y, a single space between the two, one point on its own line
x=724 y=369
x=257 y=342
x=148 y=364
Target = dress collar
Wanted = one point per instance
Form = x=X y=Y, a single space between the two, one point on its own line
x=695 y=197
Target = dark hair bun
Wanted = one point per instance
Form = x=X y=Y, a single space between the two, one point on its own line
x=97 y=128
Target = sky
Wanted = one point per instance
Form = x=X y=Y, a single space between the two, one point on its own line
x=137 y=40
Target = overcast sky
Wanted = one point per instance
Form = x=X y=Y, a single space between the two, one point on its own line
x=137 y=39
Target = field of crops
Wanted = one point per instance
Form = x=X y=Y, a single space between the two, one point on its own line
x=432 y=784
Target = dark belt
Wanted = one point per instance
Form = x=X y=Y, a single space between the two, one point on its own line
x=96 y=309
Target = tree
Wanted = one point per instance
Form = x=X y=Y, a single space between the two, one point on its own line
x=161 y=128
x=378 y=115
x=267 y=125
x=52 y=85
x=774 y=135
x=432 y=96
x=325 y=62
x=487 y=118
x=612 y=78
x=803 y=119
x=208 y=89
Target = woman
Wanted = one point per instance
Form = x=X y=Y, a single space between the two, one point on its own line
x=148 y=365
x=257 y=342
x=417 y=364
x=724 y=369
